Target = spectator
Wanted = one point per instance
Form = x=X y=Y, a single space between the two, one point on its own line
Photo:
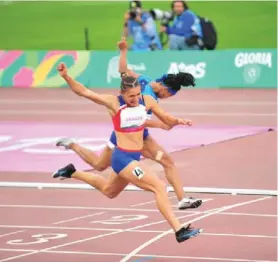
x=142 y=28
x=186 y=28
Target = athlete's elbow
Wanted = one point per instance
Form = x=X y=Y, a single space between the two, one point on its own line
x=77 y=91
x=84 y=93
x=80 y=93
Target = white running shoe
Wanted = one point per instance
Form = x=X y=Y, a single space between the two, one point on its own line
x=65 y=142
x=190 y=202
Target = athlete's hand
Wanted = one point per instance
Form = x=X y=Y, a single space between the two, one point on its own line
x=126 y=16
x=123 y=44
x=184 y=122
x=62 y=69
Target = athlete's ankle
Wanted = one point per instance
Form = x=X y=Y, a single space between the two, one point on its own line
x=180 y=198
x=177 y=232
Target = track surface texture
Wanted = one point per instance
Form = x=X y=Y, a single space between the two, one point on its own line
x=82 y=225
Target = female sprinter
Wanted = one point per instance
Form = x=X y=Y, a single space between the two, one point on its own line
x=162 y=88
x=129 y=114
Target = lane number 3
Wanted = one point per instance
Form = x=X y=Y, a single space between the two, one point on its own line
x=40 y=238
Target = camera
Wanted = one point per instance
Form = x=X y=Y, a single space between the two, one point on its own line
x=133 y=13
x=164 y=16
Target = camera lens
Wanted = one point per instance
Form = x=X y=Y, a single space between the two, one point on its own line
x=132 y=14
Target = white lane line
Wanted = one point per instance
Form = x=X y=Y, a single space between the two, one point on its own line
x=11 y=233
x=153 y=201
x=88 y=239
x=77 y=218
x=149 y=202
x=16 y=250
x=152 y=240
x=133 y=210
x=239 y=235
x=132 y=230
x=60 y=228
x=92 y=208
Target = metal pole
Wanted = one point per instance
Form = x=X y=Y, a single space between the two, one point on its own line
x=86 y=34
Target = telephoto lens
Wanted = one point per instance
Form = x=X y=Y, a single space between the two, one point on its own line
x=132 y=14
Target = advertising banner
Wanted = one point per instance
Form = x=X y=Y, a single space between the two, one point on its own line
x=240 y=68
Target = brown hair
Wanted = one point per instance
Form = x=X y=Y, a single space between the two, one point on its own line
x=128 y=82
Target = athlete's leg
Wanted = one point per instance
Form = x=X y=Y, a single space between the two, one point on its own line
x=154 y=151
x=140 y=176
x=98 y=162
x=110 y=187
x=150 y=182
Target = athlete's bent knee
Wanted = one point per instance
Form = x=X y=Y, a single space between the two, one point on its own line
x=110 y=192
x=166 y=161
x=100 y=167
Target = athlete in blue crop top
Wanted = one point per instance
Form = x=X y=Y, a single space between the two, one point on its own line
x=129 y=115
x=162 y=88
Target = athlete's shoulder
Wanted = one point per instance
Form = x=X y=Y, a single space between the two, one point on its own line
x=144 y=80
x=146 y=88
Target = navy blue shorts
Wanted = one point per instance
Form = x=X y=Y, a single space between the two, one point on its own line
x=112 y=143
x=121 y=159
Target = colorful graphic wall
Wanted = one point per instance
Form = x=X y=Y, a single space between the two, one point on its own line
x=99 y=69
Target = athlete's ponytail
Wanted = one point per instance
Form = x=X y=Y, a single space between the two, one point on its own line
x=128 y=82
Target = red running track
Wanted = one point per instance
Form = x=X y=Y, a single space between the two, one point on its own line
x=72 y=225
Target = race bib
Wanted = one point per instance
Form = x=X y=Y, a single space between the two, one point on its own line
x=138 y=172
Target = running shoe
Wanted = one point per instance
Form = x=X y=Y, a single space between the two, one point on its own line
x=65 y=172
x=65 y=142
x=186 y=233
x=190 y=202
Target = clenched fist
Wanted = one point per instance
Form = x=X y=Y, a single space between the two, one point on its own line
x=62 y=69
x=123 y=44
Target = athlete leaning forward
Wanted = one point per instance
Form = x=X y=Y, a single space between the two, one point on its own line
x=129 y=116
x=166 y=86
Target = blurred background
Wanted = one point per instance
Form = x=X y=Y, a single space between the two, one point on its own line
x=237 y=41
x=60 y=25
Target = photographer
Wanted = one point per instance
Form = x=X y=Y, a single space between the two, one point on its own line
x=186 y=30
x=142 y=28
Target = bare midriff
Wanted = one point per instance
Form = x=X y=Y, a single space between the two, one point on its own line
x=131 y=141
